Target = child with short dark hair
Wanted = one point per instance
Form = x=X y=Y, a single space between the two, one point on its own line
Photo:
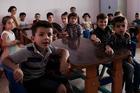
x=37 y=18
x=110 y=17
x=57 y=30
x=64 y=18
x=73 y=29
x=102 y=33
x=121 y=40
x=137 y=20
x=73 y=10
x=22 y=23
x=34 y=59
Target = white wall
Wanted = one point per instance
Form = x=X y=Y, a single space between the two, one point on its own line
x=132 y=7
x=115 y=5
x=104 y=6
x=56 y=6
x=122 y=6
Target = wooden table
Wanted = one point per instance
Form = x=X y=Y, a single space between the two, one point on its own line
x=84 y=54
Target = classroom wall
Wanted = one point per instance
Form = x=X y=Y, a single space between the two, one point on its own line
x=56 y=6
x=108 y=6
x=122 y=6
x=133 y=6
x=59 y=6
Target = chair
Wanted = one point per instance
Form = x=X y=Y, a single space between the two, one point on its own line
x=14 y=87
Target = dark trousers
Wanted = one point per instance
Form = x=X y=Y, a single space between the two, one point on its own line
x=44 y=84
x=128 y=70
x=136 y=83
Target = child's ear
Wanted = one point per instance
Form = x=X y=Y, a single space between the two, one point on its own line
x=32 y=38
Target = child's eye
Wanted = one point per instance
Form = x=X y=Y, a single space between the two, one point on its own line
x=49 y=34
x=41 y=34
x=123 y=25
x=118 y=26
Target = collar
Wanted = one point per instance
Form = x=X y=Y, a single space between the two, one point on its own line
x=38 y=52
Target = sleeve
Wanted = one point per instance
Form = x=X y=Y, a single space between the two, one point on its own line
x=110 y=41
x=129 y=44
x=57 y=27
x=94 y=32
x=19 y=56
x=79 y=30
x=67 y=27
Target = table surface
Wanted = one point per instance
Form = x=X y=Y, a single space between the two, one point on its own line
x=84 y=52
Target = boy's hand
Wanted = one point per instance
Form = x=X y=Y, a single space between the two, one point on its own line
x=95 y=39
x=18 y=75
x=109 y=50
x=64 y=68
x=64 y=34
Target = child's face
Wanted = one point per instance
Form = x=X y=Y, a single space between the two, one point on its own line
x=102 y=23
x=110 y=17
x=37 y=17
x=50 y=18
x=136 y=16
x=86 y=18
x=43 y=37
x=73 y=20
x=22 y=17
x=64 y=19
x=73 y=10
x=9 y=24
x=120 y=27
x=13 y=11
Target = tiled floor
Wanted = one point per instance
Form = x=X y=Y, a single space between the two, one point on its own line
x=79 y=82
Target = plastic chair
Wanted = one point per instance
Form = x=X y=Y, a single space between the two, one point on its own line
x=14 y=87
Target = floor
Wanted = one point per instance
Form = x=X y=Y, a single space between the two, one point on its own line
x=79 y=82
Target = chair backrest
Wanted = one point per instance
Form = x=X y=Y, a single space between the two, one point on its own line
x=14 y=87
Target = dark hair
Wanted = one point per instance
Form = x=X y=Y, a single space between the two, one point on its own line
x=118 y=19
x=38 y=24
x=37 y=14
x=101 y=16
x=22 y=13
x=137 y=14
x=11 y=7
x=86 y=14
x=72 y=15
x=64 y=14
x=5 y=19
x=49 y=14
x=109 y=14
x=72 y=7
